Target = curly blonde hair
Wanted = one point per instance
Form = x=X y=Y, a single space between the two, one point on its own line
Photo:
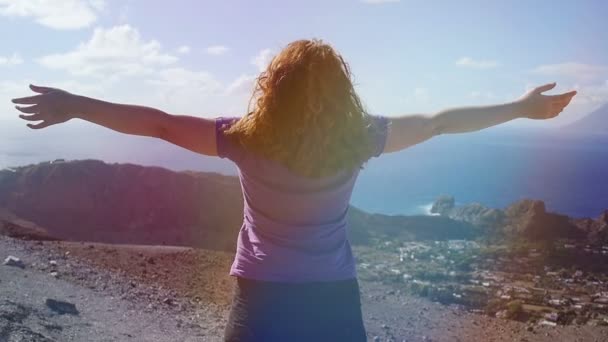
x=307 y=115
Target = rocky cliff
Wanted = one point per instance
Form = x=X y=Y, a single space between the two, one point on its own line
x=90 y=200
x=527 y=219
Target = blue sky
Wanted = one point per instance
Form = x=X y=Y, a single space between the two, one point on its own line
x=200 y=57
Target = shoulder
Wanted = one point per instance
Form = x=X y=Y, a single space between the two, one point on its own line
x=225 y=147
x=378 y=128
x=224 y=122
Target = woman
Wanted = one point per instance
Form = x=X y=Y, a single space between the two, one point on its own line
x=298 y=152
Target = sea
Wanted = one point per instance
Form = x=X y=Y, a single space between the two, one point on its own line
x=568 y=171
x=494 y=167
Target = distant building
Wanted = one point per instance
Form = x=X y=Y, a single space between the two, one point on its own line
x=552 y=316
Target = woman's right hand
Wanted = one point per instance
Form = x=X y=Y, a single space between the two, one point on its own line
x=537 y=106
x=51 y=106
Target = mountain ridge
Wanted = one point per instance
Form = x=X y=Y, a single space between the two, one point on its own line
x=595 y=122
x=90 y=200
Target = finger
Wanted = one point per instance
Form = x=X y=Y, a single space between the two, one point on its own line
x=41 y=90
x=29 y=109
x=39 y=125
x=567 y=100
x=565 y=96
x=34 y=117
x=545 y=87
x=28 y=100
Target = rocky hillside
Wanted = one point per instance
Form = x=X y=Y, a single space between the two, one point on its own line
x=90 y=200
x=123 y=203
x=525 y=219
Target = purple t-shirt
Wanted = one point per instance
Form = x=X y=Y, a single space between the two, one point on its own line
x=294 y=228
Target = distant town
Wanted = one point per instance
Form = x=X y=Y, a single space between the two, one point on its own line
x=556 y=283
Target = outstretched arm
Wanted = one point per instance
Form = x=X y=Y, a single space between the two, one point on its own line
x=409 y=130
x=54 y=106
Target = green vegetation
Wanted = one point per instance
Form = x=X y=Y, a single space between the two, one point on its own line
x=514 y=309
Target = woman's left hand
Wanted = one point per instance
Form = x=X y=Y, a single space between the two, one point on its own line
x=537 y=106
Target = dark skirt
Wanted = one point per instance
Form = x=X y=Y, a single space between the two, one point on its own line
x=316 y=311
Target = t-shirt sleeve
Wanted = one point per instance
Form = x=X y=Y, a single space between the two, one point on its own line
x=225 y=147
x=379 y=138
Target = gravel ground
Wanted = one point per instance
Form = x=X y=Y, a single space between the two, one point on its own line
x=111 y=307
x=144 y=293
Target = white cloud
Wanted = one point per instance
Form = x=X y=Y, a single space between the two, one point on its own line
x=121 y=53
x=12 y=60
x=194 y=92
x=184 y=78
x=184 y=49
x=377 y=2
x=262 y=59
x=468 y=62
x=591 y=94
x=217 y=50
x=57 y=14
x=577 y=72
x=242 y=84
x=115 y=52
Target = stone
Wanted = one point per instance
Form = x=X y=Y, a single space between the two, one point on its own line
x=443 y=205
x=61 y=307
x=13 y=261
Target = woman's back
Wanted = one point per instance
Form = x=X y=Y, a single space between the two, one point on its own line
x=294 y=227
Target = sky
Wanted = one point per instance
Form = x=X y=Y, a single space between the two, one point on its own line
x=201 y=57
